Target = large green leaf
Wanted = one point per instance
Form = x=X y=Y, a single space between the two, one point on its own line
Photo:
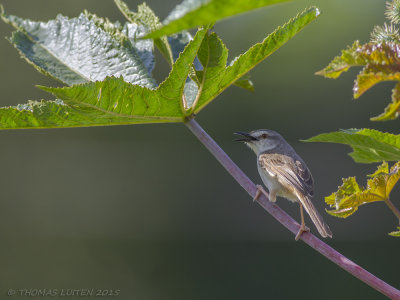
x=369 y=145
x=82 y=49
x=116 y=96
x=178 y=42
x=57 y=114
x=213 y=56
x=146 y=18
x=381 y=62
x=190 y=86
x=350 y=195
x=120 y=97
x=193 y=13
x=217 y=76
x=169 y=47
x=112 y=101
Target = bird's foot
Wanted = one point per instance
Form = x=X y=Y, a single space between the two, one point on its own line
x=260 y=190
x=303 y=228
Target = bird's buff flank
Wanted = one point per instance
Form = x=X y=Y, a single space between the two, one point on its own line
x=285 y=174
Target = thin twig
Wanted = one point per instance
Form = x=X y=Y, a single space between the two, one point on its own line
x=393 y=208
x=286 y=220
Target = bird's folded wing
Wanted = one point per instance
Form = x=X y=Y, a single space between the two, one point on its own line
x=290 y=172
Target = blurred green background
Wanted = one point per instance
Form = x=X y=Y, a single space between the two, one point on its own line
x=147 y=210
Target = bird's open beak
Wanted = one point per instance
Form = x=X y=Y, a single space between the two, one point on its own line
x=246 y=137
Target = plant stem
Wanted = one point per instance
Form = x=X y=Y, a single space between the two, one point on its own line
x=393 y=208
x=286 y=220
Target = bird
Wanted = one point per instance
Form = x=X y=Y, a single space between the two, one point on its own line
x=285 y=174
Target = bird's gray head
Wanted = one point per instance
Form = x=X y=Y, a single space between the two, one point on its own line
x=261 y=140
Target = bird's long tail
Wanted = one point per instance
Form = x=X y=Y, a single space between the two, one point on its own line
x=319 y=222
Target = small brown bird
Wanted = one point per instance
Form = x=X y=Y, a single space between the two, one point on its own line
x=285 y=174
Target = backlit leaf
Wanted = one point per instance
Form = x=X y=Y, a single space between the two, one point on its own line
x=369 y=145
x=214 y=53
x=381 y=62
x=245 y=83
x=109 y=102
x=194 y=13
x=145 y=17
x=79 y=50
x=395 y=233
x=57 y=114
x=350 y=195
x=198 y=74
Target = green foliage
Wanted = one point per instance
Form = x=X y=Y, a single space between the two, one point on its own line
x=380 y=62
x=342 y=63
x=146 y=18
x=245 y=83
x=395 y=233
x=81 y=49
x=109 y=69
x=379 y=58
x=350 y=195
x=57 y=114
x=216 y=76
x=169 y=47
x=193 y=13
x=125 y=103
x=369 y=145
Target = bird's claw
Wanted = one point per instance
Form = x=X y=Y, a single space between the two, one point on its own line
x=260 y=190
x=303 y=228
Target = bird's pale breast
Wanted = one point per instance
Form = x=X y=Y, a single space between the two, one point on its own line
x=271 y=181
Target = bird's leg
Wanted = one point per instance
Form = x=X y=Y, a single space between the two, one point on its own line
x=303 y=227
x=272 y=196
x=260 y=190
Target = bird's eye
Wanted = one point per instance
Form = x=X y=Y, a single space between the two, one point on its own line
x=264 y=135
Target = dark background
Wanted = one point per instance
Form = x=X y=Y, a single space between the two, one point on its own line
x=147 y=210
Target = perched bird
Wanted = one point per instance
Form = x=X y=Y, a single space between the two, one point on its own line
x=285 y=174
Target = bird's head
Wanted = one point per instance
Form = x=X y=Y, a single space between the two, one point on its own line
x=260 y=140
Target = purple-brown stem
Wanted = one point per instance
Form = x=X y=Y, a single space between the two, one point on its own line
x=286 y=220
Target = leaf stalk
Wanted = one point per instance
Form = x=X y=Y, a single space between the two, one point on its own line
x=393 y=208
